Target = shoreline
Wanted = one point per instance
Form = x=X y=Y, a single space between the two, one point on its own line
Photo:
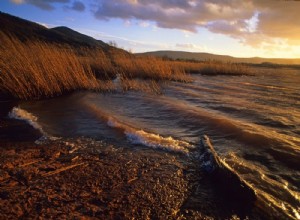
x=87 y=178
x=84 y=178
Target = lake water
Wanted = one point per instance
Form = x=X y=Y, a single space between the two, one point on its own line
x=253 y=122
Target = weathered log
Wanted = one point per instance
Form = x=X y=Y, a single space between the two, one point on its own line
x=225 y=178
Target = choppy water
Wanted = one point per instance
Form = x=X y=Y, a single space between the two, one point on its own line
x=253 y=121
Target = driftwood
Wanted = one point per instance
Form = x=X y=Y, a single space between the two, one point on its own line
x=62 y=169
x=30 y=163
x=228 y=181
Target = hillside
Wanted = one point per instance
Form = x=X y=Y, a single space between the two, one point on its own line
x=37 y=62
x=224 y=58
x=76 y=37
x=26 y=30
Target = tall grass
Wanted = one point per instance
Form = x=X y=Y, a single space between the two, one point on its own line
x=148 y=68
x=148 y=86
x=228 y=68
x=35 y=69
x=212 y=67
x=98 y=62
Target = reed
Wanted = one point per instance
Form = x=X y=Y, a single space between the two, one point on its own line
x=228 y=68
x=213 y=67
x=33 y=70
x=152 y=68
x=147 y=86
x=98 y=62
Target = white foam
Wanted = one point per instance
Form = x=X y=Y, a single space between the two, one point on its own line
x=117 y=82
x=21 y=114
x=136 y=136
x=45 y=138
x=157 y=141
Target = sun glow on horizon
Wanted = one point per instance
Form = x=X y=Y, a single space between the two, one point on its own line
x=251 y=28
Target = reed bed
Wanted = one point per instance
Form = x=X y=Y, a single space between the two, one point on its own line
x=36 y=70
x=228 y=68
x=147 y=86
x=152 y=68
x=33 y=70
x=98 y=62
x=213 y=67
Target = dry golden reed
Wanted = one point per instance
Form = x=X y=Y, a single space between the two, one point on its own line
x=212 y=67
x=147 y=86
x=152 y=68
x=35 y=69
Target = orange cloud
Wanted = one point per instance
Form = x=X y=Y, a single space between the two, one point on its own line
x=252 y=22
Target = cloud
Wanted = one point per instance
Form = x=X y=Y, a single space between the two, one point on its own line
x=144 y=24
x=250 y=21
x=190 y=47
x=186 y=46
x=43 y=4
x=18 y=2
x=173 y=14
x=78 y=6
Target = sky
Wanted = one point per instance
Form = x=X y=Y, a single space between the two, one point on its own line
x=240 y=28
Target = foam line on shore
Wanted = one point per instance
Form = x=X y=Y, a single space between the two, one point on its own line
x=152 y=140
x=21 y=114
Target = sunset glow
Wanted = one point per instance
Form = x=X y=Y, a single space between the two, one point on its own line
x=239 y=28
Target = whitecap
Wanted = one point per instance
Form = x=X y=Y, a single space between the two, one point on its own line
x=21 y=114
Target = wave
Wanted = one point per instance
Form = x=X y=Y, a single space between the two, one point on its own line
x=140 y=136
x=21 y=114
x=267 y=86
x=239 y=128
x=29 y=118
x=235 y=100
x=272 y=191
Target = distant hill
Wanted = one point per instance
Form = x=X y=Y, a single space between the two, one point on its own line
x=207 y=56
x=74 y=36
x=27 y=30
